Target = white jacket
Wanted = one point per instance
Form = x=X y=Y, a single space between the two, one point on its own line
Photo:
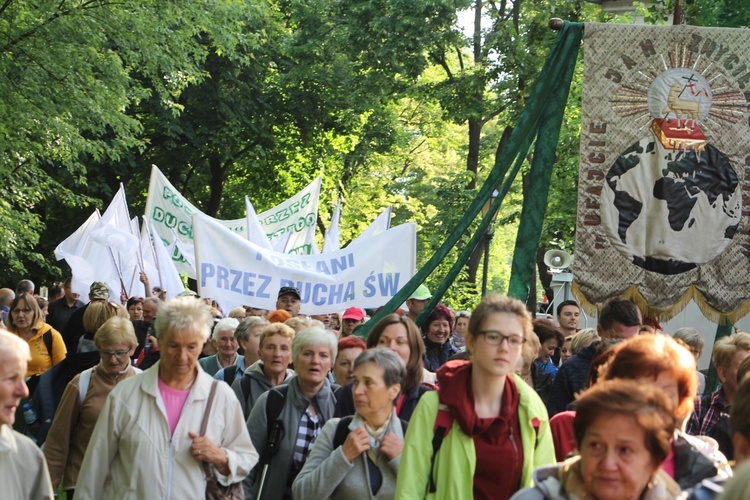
x=132 y=456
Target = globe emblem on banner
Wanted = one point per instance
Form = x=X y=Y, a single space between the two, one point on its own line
x=672 y=200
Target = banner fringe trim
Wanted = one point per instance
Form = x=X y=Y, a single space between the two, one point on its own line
x=692 y=293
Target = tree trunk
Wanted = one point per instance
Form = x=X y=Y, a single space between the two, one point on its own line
x=215 y=186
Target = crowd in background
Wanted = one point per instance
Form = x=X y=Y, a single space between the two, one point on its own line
x=144 y=398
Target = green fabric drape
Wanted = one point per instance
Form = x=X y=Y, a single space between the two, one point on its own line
x=537 y=190
x=544 y=108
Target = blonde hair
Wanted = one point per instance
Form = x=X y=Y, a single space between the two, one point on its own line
x=726 y=347
x=272 y=329
x=99 y=311
x=298 y=323
x=583 y=337
x=114 y=331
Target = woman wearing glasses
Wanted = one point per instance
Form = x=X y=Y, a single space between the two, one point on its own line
x=46 y=343
x=495 y=427
x=83 y=400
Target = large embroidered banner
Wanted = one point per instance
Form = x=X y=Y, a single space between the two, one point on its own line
x=665 y=152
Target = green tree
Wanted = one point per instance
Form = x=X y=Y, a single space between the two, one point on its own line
x=67 y=88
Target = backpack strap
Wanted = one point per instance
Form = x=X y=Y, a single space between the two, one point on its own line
x=229 y=373
x=245 y=387
x=275 y=428
x=443 y=424
x=342 y=430
x=47 y=338
x=83 y=383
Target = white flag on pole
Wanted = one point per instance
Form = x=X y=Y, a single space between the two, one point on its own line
x=331 y=243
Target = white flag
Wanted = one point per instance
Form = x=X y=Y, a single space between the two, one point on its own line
x=331 y=242
x=255 y=232
x=381 y=224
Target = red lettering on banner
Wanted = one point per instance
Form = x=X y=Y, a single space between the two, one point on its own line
x=600 y=128
x=647 y=46
x=592 y=220
x=600 y=243
x=596 y=157
x=613 y=75
x=595 y=175
x=694 y=45
x=628 y=62
x=595 y=190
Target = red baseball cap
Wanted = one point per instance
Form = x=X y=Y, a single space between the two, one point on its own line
x=354 y=313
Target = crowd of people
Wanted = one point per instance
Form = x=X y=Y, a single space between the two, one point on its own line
x=145 y=398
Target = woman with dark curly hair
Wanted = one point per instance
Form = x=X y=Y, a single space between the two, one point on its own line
x=437 y=330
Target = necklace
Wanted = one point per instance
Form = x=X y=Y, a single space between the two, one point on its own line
x=187 y=387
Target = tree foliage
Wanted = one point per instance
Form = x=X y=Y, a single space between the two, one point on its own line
x=390 y=101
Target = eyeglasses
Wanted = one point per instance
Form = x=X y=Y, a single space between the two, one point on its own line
x=19 y=311
x=116 y=354
x=493 y=337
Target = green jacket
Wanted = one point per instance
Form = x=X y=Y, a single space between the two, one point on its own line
x=456 y=461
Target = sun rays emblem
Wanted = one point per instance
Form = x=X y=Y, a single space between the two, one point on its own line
x=682 y=101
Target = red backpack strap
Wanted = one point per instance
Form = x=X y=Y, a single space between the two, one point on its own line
x=443 y=424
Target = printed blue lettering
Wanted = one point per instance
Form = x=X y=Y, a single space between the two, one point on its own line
x=236 y=281
x=336 y=293
x=322 y=267
x=207 y=271
x=388 y=283
x=349 y=293
x=248 y=284
x=338 y=265
x=318 y=294
x=266 y=280
x=369 y=286
x=222 y=277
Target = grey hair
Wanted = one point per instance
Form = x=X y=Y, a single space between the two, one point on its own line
x=314 y=336
x=242 y=332
x=183 y=313
x=12 y=342
x=154 y=300
x=224 y=325
x=393 y=366
x=690 y=336
x=463 y=314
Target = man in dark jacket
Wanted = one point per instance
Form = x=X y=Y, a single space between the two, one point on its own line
x=619 y=319
x=62 y=309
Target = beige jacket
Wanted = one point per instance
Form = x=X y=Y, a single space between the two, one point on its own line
x=23 y=471
x=132 y=456
x=74 y=422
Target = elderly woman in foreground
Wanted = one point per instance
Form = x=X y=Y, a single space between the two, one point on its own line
x=358 y=457
x=23 y=471
x=84 y=398
x=623 y=430
x=286 y=420
x=146 y=443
